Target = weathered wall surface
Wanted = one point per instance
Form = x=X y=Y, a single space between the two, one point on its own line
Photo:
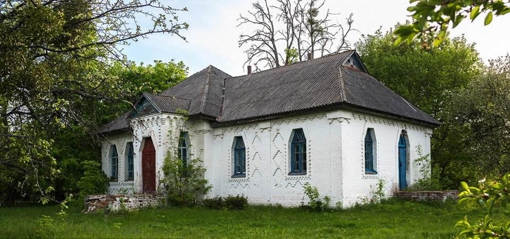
x=335 y=152
x=164 y=131
x=360 y=186
x=335 y=155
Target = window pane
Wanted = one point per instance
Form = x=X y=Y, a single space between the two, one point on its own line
x=369 y=151
x=304 y=158
x=114 y=161
x=298 y=154
x=129 y=158
x=239 y=159
x=182 y=151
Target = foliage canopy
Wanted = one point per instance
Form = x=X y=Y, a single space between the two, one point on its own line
x=54 y=61
x=434 y=17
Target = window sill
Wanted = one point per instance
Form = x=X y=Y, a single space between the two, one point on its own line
x=297 y=173
x=129 y=180
x=239 y=176
x=371 y=172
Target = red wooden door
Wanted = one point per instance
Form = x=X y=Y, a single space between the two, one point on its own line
x=149 y=167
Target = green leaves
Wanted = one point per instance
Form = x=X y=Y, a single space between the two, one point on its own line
x=405 y=33
x=488 y=194
x=54 y=75
x=439 y=14
x=474 y=13
x=488 y=19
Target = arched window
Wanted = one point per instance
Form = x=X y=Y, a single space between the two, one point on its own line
x=402 y=160
x=114 y=158
x=298 y=152
x=370 y=152
x=183 y=148
x=239 y=157
x=130 y=172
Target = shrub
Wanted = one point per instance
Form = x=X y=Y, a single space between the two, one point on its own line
x=216 y=203
x=184 y=183
x=430 y=175
x=93 y=181
x=315 y=202
x=236 y=202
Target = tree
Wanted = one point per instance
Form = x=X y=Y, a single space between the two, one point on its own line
x=154 y=79
x=74 y=145
x=54 y=61
x=427 y=77
x=422 y=75
x=433 y=17
x=287 y=31
x=479 y=116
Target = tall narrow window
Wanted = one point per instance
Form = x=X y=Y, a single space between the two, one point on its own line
x=114 y=158
x=298 y=152
x=183 y=148
x=130 y=172
x=370 y=152
x=239 y=157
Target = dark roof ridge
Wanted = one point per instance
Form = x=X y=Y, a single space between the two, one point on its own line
x=167 y=96
x=301 y=62
x=206 y=88
x=336 y=53
x=343 y=96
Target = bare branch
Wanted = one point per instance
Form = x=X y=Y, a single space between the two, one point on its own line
x=303 y=31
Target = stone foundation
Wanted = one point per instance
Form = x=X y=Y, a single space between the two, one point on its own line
x=94 y=203
x=427 y=195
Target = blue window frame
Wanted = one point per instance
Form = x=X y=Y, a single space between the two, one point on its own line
x=114 y=158
x=183 y=148
x=370 y=152
x=239 y=157
x=130 y=172
x=298 y=152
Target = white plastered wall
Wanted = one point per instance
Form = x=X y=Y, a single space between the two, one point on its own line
x=360 y=187
x=163 y=129
x=335 y=150
x=335 y=155
x=267 y=143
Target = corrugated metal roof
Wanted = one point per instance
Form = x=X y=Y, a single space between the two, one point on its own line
x=324 y=82
x=203 y=89
x=168 y=104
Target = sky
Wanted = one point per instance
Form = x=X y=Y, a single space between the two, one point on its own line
x=212 y=38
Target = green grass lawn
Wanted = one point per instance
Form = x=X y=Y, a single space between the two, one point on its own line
x=391 y=219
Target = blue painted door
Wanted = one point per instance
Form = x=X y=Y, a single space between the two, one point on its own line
x=402 y=162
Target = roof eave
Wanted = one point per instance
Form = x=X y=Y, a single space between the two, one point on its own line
x=330 y=107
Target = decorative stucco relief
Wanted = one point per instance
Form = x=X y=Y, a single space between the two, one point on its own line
x=388 y=122
x=298 y=119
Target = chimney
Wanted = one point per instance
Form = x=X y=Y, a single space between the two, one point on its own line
x=310 y=56
x=249 y=69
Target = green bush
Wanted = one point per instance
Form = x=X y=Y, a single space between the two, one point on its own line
x=230 y=203
x=216 y=203
x=315 y=203
x=236 y=202
x=430 y=180
x=93 y=181
x=184 y=183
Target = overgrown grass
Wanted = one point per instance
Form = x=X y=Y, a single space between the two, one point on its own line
x=390 y=219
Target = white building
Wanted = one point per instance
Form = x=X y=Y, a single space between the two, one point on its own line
x=264 y=135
